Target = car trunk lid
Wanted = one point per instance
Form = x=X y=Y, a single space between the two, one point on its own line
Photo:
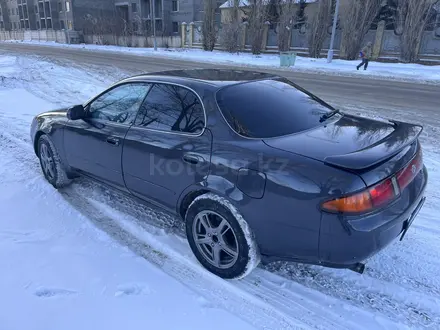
x=372 y=149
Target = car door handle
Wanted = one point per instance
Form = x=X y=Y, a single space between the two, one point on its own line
x=112 y=140
x=192 y=159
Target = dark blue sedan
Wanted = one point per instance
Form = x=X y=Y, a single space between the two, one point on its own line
x=257 y=167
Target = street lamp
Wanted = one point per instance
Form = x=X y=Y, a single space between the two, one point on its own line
x=332 y=40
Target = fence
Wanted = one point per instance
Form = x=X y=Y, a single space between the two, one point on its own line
x=75 y=38
x=386 y=43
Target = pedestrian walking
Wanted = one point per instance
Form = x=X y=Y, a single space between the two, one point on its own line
x=366 y=54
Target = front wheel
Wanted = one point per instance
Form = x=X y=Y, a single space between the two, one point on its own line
x=50 y=162
x=220 y=238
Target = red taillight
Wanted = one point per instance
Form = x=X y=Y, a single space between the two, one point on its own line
x=379 y=194
x=382 y=193
x=410 y=171
x=364 y=201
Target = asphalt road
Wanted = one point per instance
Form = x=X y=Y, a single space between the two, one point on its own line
x=365 y=92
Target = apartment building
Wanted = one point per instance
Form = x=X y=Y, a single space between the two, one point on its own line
x=50 y=14
x=168 y=14
x=71 y=14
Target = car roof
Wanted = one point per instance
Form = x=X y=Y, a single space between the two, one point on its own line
x=214 y=78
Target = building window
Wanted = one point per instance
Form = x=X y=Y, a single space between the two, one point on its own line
x=158 y=8
x=62 y=25
x=134 y=7
x=159 y=25
x=147 y=8
x=47 y=9
x=175 y=27
x=60 y=6
x=175 y=5
x=67 y=6
x=36 y=9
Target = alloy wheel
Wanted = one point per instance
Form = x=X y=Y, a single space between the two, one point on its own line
x=215 y=239
x=47 y=161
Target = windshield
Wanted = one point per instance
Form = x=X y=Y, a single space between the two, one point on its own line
x=270 y=108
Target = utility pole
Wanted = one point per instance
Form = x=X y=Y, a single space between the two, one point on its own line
x=153 y=22
x=332 y=40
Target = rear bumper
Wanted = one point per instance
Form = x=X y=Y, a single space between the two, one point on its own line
x=343 y=244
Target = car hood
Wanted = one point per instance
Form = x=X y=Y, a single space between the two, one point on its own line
x=53 y=113
x=350 y=142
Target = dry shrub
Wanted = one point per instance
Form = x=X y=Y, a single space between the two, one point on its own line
x=410 y=22
x=317 y=33
x=356 y=21
x=257 y=17
x=208 y=26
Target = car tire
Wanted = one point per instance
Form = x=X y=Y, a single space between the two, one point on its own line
x=51 y=164
x=220 y=238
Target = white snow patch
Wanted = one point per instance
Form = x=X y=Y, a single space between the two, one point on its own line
x=7 y=66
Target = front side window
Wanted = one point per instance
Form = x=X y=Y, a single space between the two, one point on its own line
x=269 y=108
x=120 y=104
x=172 y=108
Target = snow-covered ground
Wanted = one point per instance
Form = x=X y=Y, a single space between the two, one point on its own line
x=87 y=257
x=393 y=71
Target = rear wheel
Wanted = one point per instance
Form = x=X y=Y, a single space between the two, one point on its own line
x=220 y=238
x=50 y=162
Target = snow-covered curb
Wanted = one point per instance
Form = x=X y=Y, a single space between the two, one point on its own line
x=416 y=73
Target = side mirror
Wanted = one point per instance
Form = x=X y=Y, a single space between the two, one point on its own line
x=76 y=112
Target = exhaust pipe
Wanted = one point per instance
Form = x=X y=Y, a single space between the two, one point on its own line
x=358 y=268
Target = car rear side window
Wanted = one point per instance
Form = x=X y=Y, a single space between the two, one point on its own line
x=172 y=108
x=269 y=108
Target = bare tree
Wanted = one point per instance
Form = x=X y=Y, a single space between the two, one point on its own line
x=208 y=27
x=356 y=21
x=97 y=27
x=124 y=31
x=286 y=20
x=410 y=22
x=230 y=32
x=258 y=15
x=317 y=33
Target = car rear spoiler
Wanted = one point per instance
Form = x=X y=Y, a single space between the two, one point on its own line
x=404 y=135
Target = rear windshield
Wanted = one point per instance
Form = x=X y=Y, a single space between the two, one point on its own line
x=269 y=108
